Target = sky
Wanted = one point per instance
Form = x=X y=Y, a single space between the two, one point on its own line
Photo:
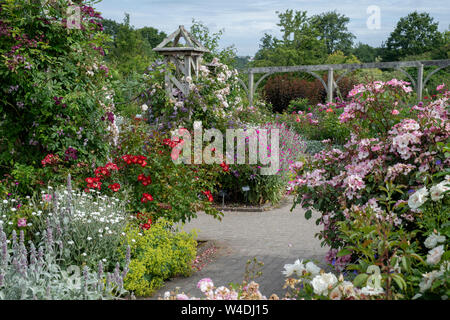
x=245 y=21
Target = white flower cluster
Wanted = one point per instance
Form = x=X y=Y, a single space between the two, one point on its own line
x=298 y=268
x=433 y=240
x=418 y=198
x=428 y=278
x=93 y=223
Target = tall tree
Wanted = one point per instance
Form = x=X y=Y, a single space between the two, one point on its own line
x=365 y=52
x=129 y=52
x=153 y=36
x=332 y=28
x=414 y=34
x=299 y=44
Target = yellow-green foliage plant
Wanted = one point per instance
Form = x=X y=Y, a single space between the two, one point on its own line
x=157 y=254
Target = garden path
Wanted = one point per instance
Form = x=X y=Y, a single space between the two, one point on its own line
x=275 y=237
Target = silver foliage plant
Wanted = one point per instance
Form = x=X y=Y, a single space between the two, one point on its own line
x=33 y=273
x=87 y=227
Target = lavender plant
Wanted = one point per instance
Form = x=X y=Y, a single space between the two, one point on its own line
x=34 y=273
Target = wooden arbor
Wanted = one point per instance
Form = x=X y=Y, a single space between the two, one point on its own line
x=418 y=84
x=186 y=58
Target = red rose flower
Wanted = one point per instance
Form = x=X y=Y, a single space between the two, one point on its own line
x=208 y=195
x=111 y=166
x=114 y=187
x=146 y=197
x=146 y=226
x=225 y=167
x=89 y=180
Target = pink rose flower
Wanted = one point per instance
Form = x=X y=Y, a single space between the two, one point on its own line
x=22 y=222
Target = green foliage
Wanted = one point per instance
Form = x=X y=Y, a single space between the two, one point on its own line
x=314 y=146
x=130 y=51
x=365 y=52
x=332 y=28
x=317 y=124
x=299 y=44
x=211 y=41
x=54 y=85
x=301 y=104
x=156 y=255
x=414 y=34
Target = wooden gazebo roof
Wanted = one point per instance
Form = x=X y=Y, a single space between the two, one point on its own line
x=171 y=45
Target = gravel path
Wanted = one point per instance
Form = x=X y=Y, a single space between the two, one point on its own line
x=274 y=237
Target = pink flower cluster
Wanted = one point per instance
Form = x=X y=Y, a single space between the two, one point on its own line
x=406 y=138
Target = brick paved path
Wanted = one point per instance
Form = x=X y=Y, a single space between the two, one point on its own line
x=274 y=237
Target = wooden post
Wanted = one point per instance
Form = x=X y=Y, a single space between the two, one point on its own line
x=330 y=85
x=250 y=88
x=420 y=81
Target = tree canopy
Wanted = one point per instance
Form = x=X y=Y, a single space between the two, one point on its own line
x=414 y=34
x=332 y=28
x=300 y=42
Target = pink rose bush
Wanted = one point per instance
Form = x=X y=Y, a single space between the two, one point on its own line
x=393 y=171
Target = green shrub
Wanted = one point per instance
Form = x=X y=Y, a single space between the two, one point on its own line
x=157 y=254
x=300 y=104
x=321 y=123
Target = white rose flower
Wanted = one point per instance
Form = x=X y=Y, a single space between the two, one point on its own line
x=428 y=279
x=434 y=255
x=336 y=294
x=319 y=285
x=330 y=279
x=312 y=268
x=296 y=268
x=371 y=291
x=347 y=288
x=437 y=191
x=433 y=240
x=322 y=283
x=418 y=198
